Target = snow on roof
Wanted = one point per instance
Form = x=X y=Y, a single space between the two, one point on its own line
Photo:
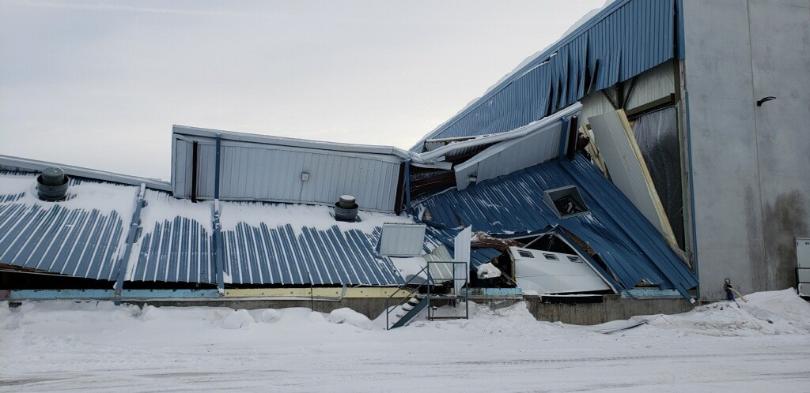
x=81 y=236
x=263 y=243
x=17 y=164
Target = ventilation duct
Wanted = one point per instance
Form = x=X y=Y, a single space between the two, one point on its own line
x=346 y=208
x=52 y=184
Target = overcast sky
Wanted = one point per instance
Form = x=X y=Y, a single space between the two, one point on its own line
x=99 y=83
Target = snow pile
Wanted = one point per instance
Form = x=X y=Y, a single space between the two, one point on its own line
x=350 y=317
x=299 y=216
x=764 y=313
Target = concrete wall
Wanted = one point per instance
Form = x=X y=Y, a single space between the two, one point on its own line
x=749 y=164
x=611 y=308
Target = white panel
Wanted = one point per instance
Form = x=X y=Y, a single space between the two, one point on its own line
x=461 y=253
x=552 y=272
x=510 y=156
x=627 y=169
x=402 y=240
x=803 y=253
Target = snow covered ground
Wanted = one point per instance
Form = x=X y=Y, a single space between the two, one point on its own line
x=61 y=346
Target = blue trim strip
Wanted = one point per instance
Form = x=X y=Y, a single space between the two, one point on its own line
x=216 y=168
x=217 y=246
x=108 y=294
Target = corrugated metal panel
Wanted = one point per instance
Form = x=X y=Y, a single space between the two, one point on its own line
x=629 y=245
x=266 y=172
x=284 y=255
x=175 y=245
x=402 y=240
x=510 y=156
x=69 y=237
x=181 y=174
x=652 y=85
x=622 y=41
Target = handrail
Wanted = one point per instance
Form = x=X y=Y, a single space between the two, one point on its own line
x=400 y=288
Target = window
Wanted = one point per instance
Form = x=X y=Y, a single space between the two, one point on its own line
x=550 y=257
x=574 y=258
x=566 y=201
x=525 y=254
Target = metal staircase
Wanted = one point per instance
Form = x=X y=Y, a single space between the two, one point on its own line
x=424 y=293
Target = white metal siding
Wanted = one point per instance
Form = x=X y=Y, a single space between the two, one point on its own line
x=264 y=172
x=510 y=156
x=402 y=240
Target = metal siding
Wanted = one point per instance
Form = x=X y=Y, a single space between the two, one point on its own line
x=272 y=173
x=181 y=171
x=626 y=39
x=513 y=204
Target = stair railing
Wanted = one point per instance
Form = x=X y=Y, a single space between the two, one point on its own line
x=401 y=288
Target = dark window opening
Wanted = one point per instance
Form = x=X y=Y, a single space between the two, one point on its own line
x=566 y=201
x=525 y=254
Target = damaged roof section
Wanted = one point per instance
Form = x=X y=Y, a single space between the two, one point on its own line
x=79 y=237
x=631 y=248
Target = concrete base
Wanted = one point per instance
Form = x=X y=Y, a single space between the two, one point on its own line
x=612 y=307
x=370 y=307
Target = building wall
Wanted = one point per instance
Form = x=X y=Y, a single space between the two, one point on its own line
x=748 y=163
x=267 y=172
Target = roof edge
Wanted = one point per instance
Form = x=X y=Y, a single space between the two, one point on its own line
x=291 y=142
x=30 y=165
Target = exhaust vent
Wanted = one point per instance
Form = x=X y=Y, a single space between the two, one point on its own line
x=346 y=208
x=52 y=184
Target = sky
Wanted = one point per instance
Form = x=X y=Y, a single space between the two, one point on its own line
x=100 y=83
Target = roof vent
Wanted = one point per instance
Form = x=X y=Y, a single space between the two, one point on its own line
x=52 y=184
x=346 y=208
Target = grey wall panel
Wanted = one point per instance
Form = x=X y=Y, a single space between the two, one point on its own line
x=652 y=85
x=181 y=170
x=252 y=171
x=749 y=163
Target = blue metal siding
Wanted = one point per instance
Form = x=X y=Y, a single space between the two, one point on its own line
x=624 y=40
x=283 y=256
x=511 y=205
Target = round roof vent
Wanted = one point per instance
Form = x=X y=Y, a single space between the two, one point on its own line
x=52 y=184
x=346 y=208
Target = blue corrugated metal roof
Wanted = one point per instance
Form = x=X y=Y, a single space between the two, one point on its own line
x=64 y=237
x=174 y=250
x=629 y=245
x=285 y=255
x=73 y=239
x=625 y=39
x=480 y=256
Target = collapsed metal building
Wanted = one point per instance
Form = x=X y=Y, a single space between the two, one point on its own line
x=583 y=171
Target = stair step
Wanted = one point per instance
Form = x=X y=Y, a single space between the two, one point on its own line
x=407 y=307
